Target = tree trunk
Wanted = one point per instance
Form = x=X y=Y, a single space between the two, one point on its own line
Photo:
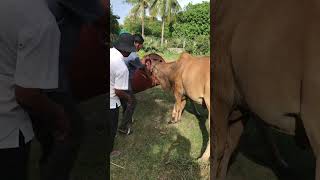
x=142 y=22
x=162 y=31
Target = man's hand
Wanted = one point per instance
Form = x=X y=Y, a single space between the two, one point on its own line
x=37 y=103
x=123 y=95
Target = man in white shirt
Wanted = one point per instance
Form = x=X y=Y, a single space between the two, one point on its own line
x=119 y=79
x=58 y=158
x=29 y=54
x=133 y=63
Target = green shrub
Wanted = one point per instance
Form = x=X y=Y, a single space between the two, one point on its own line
x=199 y=46
x=151 y=44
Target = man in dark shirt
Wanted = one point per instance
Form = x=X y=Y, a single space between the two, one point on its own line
x=133 y=63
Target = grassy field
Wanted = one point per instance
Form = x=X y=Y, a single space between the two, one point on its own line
x=156 y=149
x=167 y=55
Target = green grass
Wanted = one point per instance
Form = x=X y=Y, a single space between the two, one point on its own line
x=156 y=149
x=167 y=55
x=170 y=56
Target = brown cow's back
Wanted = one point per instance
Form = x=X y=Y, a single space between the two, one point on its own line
x=267 y=44
x=195 y=71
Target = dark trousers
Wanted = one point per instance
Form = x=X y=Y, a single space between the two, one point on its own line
x=14 y=161
x=113 y=124
x=58 y=158
x=128 y=111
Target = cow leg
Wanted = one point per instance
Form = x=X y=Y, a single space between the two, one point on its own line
x=309 y=116
x=274 y=148
x=173 y=113
x=176 y=113
x=312 y=129
x=206 y=155
x=195 y=110
x=183 y=104
x=234 y=135
x=219 y=135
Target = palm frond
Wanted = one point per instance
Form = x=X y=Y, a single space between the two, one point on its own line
x=135 y=10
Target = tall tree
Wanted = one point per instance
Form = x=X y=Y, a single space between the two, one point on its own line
x=139 y=10
x=114 y=24
x=167 y=10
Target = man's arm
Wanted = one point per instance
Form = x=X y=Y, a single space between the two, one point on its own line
x=122 y=84
x=37 y=68
x=123 y=95
x=136 y=63
x=37 y=103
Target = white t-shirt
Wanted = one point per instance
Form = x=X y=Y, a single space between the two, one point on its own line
x=29 y=57
x=119 y=76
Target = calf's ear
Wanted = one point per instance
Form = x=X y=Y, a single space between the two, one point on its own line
x=148 y=64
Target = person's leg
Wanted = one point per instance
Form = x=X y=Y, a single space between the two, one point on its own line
x=124 y=105
x=127 y=117
x=14 y=161
x=114 y=116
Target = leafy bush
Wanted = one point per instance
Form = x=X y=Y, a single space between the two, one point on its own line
x=114 y=27
x=192 y=22
x=175 y=42
x=114 y=24
x=113 y=38
x=199 y=46
x=152 y=26
x=151 y=44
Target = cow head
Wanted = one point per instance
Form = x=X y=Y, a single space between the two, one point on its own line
x=142 y=78
x=155 y=65
x=150 y=60
x=159 y=77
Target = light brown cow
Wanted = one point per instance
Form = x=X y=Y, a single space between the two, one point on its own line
x=187 y=77
x=266 y=61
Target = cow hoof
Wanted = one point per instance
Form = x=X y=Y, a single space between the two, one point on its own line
x=172 y=122
x=203 y=159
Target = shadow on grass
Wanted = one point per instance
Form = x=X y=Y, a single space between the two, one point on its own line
x=156 y=149
x=254 y=147
x=202 y=119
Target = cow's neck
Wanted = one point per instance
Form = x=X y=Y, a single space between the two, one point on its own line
x=170 y=70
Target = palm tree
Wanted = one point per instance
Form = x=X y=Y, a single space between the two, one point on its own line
x=166 y=9
x=139 y=9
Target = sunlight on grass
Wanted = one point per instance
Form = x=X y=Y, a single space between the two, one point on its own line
x=156 y=149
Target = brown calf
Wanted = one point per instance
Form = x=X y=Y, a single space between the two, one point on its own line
x=187 y=77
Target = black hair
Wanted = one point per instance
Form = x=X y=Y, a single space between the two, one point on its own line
x=138 y=38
